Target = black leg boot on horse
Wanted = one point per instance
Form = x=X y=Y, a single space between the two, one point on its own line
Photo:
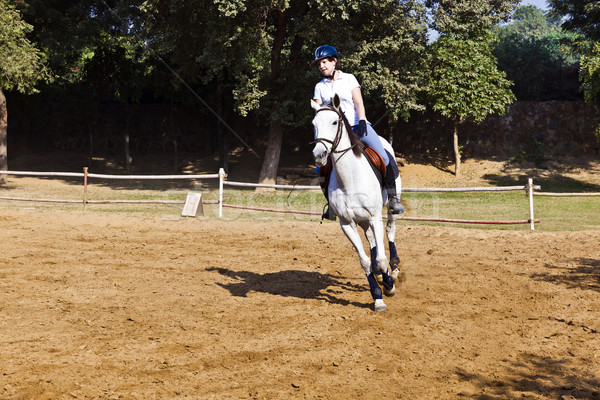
x=391 y=173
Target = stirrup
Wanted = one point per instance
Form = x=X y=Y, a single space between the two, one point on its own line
x=395 y=206
x=327 y=213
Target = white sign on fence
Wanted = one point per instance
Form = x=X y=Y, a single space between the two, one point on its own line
x=193 y=205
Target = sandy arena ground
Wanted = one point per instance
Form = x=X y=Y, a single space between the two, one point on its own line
x=111 y=307
x=107 y=306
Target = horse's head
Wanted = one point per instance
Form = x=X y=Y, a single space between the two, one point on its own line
x=328 y=124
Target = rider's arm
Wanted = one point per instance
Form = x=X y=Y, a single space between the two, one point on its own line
x=358 y=103
x=318 y=101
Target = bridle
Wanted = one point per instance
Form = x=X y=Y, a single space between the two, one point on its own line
x=338 y=135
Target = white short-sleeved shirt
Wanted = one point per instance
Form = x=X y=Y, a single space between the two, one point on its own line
x=343 y=86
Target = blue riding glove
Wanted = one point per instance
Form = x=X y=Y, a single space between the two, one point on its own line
x=361 y=130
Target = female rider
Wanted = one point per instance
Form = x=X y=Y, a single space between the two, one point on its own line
x=351 y=103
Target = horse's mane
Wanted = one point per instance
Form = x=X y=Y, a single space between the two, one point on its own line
x=356 y=143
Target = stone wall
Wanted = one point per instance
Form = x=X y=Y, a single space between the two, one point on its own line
x=556 y=127
x=553 y=127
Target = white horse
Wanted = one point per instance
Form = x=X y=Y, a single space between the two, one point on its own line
x=356 y=197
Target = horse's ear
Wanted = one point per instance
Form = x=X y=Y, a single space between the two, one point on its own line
x=314 y=105
x=336 y=101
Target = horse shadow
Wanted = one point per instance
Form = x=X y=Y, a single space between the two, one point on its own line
x=292 y=283
x=585 y=274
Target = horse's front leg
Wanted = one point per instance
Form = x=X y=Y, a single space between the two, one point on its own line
x=376 y=228
x=377 y=272
x=351 y=231
x=390 y=231
x=373 y=246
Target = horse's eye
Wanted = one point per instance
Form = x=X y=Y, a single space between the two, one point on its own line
x=335 y=123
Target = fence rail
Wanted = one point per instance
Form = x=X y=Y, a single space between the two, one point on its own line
x=529 y=188
x=550 y=194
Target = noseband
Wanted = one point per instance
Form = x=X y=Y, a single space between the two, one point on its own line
x=338 y=136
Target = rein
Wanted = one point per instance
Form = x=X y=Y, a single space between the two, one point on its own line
x=338 y=136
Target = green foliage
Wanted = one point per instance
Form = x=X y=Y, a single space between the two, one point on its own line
x=583 y=18
x=530 y=21
x=580 y=16
x=465 y=82
x=535 y=53
x=64 y=30
x=116 y=68
x=260 y=50
x=589 y=73
x=21 y=63
x=469 y=18
x=389 y=56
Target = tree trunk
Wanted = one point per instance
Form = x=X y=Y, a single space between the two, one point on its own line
x=3 y=137
x=268 y=172
x=456 y=148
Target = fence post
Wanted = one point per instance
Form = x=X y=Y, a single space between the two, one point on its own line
x=530 y=193
x=85 y=177
x=221 y=179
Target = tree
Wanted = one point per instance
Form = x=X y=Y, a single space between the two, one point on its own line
x=536 y=55
x=469 y=18
x=531 y=21
x=583 y=18
x=21 y=67
x=262 y=48
x=465 y=83
x=580 y=16
x=387 y=55
x=590 y=73
x=463 y=78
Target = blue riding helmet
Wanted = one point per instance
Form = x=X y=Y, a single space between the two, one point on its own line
x=322 y=52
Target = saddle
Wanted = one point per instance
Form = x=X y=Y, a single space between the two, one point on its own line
x=375 y=161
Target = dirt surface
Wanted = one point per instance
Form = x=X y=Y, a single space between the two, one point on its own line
x=97 y=306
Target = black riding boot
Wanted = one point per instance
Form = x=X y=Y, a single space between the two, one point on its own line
x=390 y=182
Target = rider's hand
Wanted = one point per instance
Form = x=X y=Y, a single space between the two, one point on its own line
x=362 y=128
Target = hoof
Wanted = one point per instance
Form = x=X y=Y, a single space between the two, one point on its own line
x=395 y=263
x=378 y=278
x=388 y=286
x=398 y=276
x=379 y=305
x=391 y=292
